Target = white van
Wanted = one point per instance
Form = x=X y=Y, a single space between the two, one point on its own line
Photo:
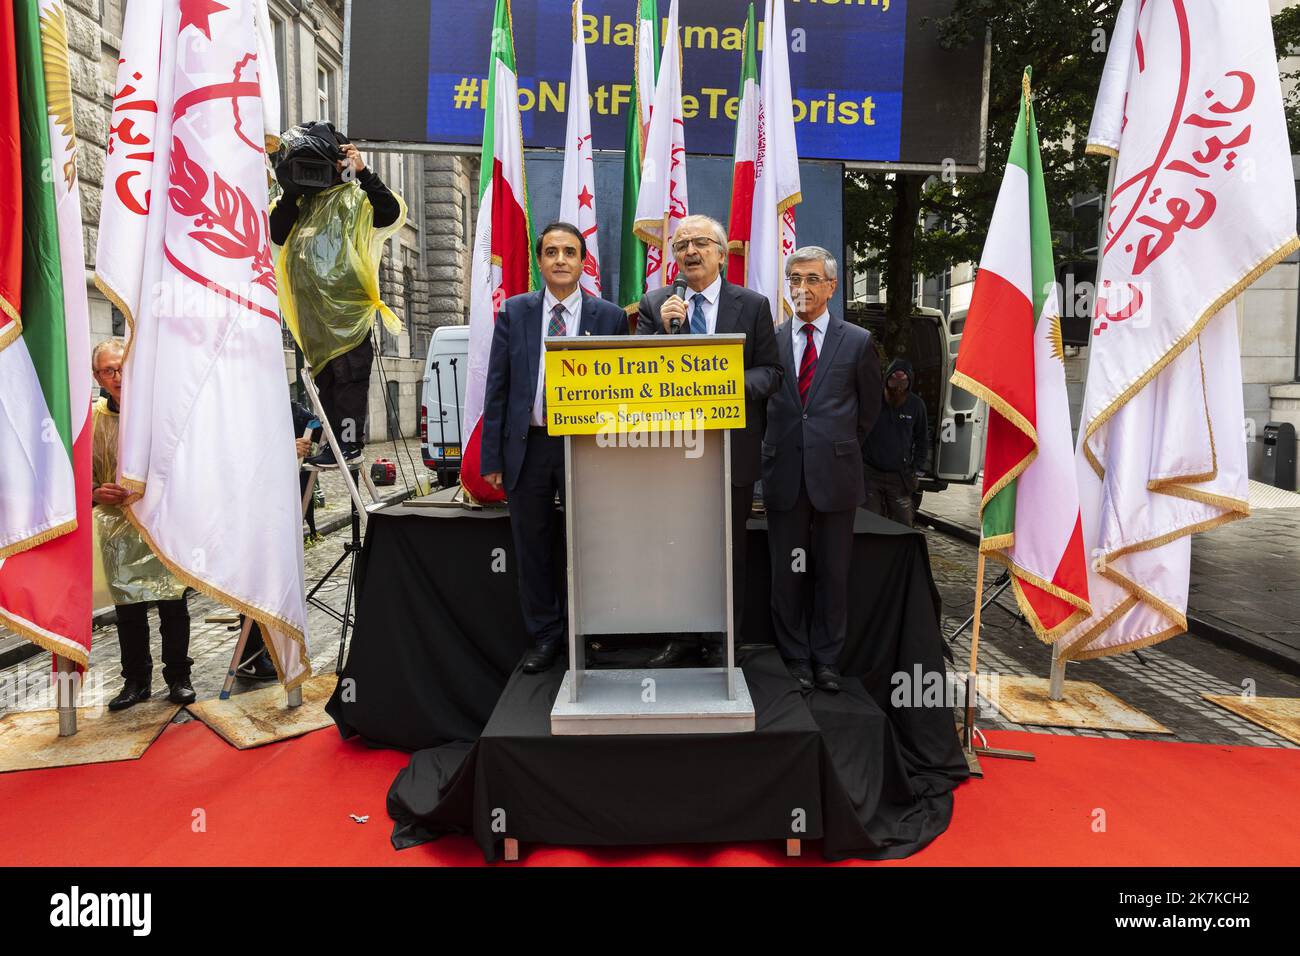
x=443 y=405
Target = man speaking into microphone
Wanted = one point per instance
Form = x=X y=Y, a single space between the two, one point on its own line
x=705 y=304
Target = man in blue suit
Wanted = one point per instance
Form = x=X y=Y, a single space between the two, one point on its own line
x=812 y=469
x=518 y=454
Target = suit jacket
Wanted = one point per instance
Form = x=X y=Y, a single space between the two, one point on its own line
x=739 y=310
x=822 y=444
x=512 y=375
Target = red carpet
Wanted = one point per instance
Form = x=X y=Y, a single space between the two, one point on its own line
x=1164 y=804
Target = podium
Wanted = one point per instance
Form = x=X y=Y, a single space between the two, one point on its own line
x=646 y=423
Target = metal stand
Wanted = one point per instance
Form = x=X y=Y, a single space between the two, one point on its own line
x=350 y=549
x=1000 y=585
x=67 y=680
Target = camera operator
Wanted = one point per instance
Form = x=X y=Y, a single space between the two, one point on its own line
x=328 y=302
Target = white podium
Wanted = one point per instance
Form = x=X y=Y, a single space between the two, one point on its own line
x=647 y=516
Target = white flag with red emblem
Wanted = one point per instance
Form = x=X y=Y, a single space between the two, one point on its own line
x=662 y=204
x=202 y=445
x=578 y=194
x=776 y=172
x=1190 y=108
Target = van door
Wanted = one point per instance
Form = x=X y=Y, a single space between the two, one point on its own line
x=959 y=439
x=444 y=401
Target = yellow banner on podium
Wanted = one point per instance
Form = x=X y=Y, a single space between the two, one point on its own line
x=589 y=391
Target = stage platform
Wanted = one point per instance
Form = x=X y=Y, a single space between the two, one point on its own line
x=432 y=668
x=818 y=766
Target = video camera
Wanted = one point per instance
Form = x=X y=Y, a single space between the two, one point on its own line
x=310 y=154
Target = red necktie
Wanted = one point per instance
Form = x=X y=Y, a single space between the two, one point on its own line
x=807 y=365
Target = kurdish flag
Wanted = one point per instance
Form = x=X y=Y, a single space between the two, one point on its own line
x=645 y=70
x=45 y=537
x=1012 y=357
x=504 y=263
x=742 y=169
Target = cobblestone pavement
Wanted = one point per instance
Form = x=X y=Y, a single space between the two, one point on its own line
x=26 y=686
x=1245 y=580
x=1165 y=682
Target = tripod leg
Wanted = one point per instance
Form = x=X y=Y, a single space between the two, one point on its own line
x=347 y=614
x=236 y=659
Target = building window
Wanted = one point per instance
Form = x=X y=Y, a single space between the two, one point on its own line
x=326 y=90
x=280 y=36
x=113 y=15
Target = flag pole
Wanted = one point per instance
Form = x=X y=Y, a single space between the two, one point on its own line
x=65 y=686
x=1056 y=680
x=971 y=690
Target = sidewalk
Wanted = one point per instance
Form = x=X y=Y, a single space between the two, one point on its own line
x=1245 y=586
x=333 y=516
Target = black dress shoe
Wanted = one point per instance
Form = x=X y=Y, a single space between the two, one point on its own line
x=181 y=691
x=713 y=654
x=826 y=678
x=671 y=653
x=541 y=657
x=801 y=672
x=133 y=691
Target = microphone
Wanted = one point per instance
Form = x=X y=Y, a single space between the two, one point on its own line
x=679 y=290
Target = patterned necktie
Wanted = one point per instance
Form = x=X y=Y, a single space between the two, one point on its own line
x=556 y=326
x=808 y=364
x=699 y=326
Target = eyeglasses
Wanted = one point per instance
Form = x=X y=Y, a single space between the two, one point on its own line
x=699 y=242
x=811 y=282
x=110 y=372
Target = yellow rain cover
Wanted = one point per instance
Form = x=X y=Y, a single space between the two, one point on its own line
x=327 y=273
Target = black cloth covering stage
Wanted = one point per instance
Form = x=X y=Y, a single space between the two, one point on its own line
x=433 y=668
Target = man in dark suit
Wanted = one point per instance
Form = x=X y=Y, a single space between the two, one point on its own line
x=518 y=454
x=713 y=305
x=812 y=469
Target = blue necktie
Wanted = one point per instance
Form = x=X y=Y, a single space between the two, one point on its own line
x=699 y=326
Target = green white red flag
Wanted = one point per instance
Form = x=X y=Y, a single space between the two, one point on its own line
x=504 y=263
x=742 y=169
x=1012 y=357
x=45 y=536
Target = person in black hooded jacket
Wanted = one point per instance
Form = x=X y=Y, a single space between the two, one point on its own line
x=896 y=451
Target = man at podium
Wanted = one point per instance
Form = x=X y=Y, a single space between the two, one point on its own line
x=517 y=453
x=711 y=306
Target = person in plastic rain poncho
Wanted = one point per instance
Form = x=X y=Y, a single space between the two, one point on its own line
x=330 y=227
x=133 y=572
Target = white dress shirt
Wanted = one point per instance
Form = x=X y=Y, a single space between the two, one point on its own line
x=572 y=319
x=801 y=337
x=710 y=306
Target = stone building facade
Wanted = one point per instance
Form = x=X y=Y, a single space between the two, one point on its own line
x=424 y=276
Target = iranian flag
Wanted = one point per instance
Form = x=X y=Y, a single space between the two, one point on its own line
x=742 y=170
x=776 y=171
x=504 y=264
x=578 y=192
x=645 y=68
x=45 y=536
x=661 y=202
x=1012 y=357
